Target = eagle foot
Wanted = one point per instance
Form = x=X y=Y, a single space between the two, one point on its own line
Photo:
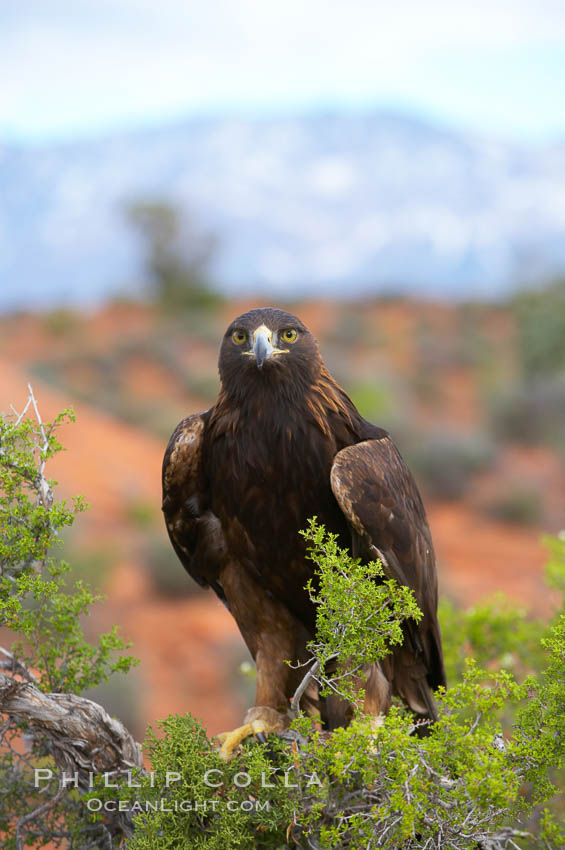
x=377 y=722
x=229 y=741
x=261 y=721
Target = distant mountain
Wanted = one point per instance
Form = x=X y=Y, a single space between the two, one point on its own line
x=320 y=204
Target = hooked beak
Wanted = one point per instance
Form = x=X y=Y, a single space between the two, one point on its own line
x=262 y=345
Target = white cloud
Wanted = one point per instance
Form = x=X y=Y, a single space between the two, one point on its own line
x=97 y=62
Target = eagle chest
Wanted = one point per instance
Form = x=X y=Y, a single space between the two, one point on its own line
x=264 y=485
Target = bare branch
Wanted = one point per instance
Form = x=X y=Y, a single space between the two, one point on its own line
x=15 y=666
x=82 y=736
x=299 y=692
x=44 y=490
x=40 y=810
x=311 y=675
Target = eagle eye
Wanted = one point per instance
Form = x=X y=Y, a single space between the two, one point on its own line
x=239 y=337
x=289 y=335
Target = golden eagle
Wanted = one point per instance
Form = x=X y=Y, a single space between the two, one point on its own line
x=282 y=443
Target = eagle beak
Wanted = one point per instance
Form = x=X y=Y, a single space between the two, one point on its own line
x=262 y=345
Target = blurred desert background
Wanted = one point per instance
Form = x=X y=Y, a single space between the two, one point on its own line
x=422 y=242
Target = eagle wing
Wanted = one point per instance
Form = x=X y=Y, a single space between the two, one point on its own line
x=384 y=511
x=194 y=530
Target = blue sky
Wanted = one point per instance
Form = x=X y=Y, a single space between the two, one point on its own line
x=80 y=67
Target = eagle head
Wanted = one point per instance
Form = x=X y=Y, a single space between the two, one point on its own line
x=268 y=347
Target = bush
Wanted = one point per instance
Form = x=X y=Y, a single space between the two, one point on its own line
x=61 y=322
x=445 y=463
x=141 y=513
x=373 y=401
x=178 y=257
x=472 y=346
x=218 y=815
x=533 y=412
x=49 y=662
x=540 y=323
x=91 y=563
x=519 y=506
x=484 y=775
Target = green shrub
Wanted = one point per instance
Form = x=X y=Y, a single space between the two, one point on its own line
x=141 y=513
x=445 y=463
x=92 y=563
x=485 y=775
x=472 y=346
x=227 y=816
x=42 y=611
x=372 y=400
x=540 y=323
x=202 y=385
x=519 y=506
x=533 y=412
x=30 y=523
x=61 y=322
x=433 y=350
x=178 y=257
x=343 y=587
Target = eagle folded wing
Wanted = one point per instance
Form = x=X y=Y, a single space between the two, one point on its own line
x=383 y=508
x=194 y=530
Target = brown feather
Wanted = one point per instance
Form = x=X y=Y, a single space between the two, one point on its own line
x=194 y=531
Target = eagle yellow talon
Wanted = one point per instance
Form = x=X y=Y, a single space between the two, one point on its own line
x=231 y=740
x=377 y=722
x=266 y=720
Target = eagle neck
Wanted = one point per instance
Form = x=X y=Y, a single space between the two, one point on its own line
x=287 y=405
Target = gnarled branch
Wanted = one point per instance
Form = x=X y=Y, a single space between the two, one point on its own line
x=82 y=735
